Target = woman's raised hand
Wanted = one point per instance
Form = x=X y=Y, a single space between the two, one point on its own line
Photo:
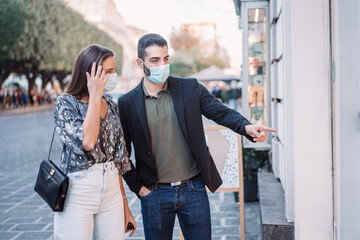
x=96 y=82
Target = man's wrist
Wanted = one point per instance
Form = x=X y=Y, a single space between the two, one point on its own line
x=247 y=125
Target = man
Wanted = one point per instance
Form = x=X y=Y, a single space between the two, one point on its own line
x=234 y=94
x=162 y=117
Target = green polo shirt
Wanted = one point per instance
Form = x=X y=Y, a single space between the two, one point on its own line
x=170 y=150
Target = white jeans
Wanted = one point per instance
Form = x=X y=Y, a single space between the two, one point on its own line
x=93 y=205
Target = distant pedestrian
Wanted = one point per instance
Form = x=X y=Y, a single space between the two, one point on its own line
x=234 y=94
x=224 y=95
x=32 y=97
x=15 y=100
x=2 y=99
x=216 y=92
x=24 y=99
x=18 y=97
x=39 y=98
x=8 y=100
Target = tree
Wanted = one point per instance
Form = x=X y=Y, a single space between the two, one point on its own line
x=45 y=39
x=187 y=58
x=34 y=41
x=183 y=63
x=183 y=39
x=11 y=27
x=72 y=24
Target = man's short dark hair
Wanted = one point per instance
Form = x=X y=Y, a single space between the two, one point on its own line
x=148 y=40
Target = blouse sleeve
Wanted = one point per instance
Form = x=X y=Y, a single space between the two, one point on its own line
x=69 y=123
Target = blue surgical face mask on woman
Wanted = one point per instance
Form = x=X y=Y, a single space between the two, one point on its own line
x=111 y=83
x=158 y=74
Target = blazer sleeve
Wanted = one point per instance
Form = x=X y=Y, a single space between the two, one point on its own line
x=130 y=176
x=213 y=109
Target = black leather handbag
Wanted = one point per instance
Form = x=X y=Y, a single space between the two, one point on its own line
x=52 y=183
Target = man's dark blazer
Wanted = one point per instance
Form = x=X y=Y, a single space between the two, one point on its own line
x=191 y=101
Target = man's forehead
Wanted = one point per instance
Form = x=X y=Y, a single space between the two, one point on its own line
x=155 y=51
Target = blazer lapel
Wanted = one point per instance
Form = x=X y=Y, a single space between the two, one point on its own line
x=139 y=104
x=178 y=100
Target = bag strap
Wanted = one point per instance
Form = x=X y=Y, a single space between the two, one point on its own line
x=52 y=140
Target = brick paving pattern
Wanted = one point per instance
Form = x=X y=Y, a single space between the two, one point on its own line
x=24 y=142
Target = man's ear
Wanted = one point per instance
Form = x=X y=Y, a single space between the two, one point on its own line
x=139 y=63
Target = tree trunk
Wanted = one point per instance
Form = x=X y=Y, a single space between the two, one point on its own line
x=4 y=72
x=3 y=77
x=31 y=79
x=60 y=77
x=46 y=78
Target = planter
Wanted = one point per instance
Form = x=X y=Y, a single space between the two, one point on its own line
x=250 y=190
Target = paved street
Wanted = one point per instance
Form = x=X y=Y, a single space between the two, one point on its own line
x=24 y=142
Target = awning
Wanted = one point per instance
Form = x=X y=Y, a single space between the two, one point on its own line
x=214 y=73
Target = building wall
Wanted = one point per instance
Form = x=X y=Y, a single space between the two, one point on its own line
x=346 y=29
x=311 y=117
x=282 y=110
x=315 y=80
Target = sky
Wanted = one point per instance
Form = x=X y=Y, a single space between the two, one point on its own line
x=160 y=16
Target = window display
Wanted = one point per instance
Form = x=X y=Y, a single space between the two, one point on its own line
x=257 y=55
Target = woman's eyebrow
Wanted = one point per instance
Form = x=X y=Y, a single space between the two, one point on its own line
x=109 y=68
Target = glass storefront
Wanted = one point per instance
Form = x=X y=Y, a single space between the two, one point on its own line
x=256 y=64
x=257 y=75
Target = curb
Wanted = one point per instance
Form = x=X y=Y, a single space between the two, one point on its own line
x=27 y=110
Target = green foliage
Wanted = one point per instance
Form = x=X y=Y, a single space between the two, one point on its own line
x=45 y=36
x=188 y=58
x=253 y=160
x=36 y=42
x=11 y=25
x=184 y=63
x=75 y=35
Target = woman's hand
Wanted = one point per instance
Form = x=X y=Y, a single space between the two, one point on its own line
x=96 y=82
x=129 y=219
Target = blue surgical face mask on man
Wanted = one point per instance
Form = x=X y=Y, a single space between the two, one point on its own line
x=111 y=83
x=158 y=74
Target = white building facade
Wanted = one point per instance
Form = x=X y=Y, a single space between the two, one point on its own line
x=310 y=82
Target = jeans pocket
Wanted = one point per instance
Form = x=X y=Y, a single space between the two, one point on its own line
x=147 y=195
x=198 y=185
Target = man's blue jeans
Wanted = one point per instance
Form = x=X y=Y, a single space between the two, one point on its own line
x=188 y=201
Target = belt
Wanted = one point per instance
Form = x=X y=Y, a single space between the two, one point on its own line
x=178 y=183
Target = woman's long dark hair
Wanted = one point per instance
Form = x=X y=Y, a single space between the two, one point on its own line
x=78 y=82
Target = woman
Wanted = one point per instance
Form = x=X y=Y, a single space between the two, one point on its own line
x=94 y=152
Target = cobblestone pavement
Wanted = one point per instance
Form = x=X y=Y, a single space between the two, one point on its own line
x=24 y=142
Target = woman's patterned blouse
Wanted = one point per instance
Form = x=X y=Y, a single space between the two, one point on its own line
x=69 y=116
